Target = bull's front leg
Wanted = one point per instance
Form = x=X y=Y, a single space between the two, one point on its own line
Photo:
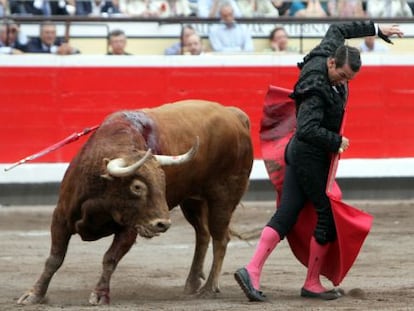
x=195 y=211
x=211 y=286
x=60 y=236
x=121 y=244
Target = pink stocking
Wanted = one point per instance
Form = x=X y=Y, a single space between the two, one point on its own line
x=317 y=255
x=267 y=242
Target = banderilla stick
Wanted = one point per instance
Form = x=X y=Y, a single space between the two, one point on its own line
x=75 y=136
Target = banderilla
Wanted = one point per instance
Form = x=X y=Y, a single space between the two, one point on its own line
x=70 y=139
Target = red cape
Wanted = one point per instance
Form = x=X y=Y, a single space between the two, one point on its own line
x=352 y=225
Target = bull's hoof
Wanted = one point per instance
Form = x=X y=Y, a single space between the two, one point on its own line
x=208 y=292
x=193 y=283
x=29 y=298
x=192 y=288
x=99 y=298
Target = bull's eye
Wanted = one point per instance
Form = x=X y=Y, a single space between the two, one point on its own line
x=138 y=188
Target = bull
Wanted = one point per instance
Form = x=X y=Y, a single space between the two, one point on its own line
x=136 y=167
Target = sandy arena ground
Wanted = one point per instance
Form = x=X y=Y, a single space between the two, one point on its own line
x=152 y=275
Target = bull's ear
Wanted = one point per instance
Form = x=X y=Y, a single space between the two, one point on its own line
x=105 y=174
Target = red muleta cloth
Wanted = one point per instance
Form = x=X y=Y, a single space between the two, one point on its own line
x=352 y=225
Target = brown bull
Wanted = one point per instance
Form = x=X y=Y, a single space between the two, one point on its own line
x=125 y=180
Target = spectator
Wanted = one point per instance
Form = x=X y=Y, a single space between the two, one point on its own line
x=346 y=8
x=371 y=45
x=295 y=7
x=193 y=6
x=117 y=42
x=97 y=7
x=21 y=7
x=411 y=5
x=177 y=48
x=52 y=7
x=112 y=7
x=177 y=8
x=313 y=8
x=12 y=40
x=229 y=36
x=257 y=8
x=48 y=42
x=41 y=7
x=282 y=7
x=279 y=41
x=63 y=7
x=388 y=8
x=211 y=8
x=144 y=8
x=84 y=7
x=194 y=45
x=3 y=8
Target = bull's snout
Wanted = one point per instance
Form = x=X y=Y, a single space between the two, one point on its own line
x=161 y=225
x=153 y=228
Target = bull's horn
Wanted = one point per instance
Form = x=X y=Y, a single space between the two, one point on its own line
x=117 y=167
x=178 y=159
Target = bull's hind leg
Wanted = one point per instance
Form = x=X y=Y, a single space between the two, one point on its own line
x=60 y=236
x=218 y=222
x=121 y=244
x=195 y=211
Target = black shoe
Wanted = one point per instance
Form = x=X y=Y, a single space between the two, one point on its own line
x=242 y=277
x=328 y=295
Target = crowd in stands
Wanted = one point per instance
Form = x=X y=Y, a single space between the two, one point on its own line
x=209 y=8
x=227 y=35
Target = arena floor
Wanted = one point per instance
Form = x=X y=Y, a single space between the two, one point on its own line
x=152 y=274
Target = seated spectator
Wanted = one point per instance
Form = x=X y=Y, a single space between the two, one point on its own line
x=42 y=7
x=411 y=5
x=12 y=40
x=257 y=8
x=211 y=8
x=295 y=7
x=97 y=7
x=229 y=36
x=346 y=8
x=388 y=8
x=48 y=42
x=194 y=45
x=279 y=41
x=371 y=45
x=313 y=8
x=53 y=7
x=117 y=42
x=282 y=7
x=176 y=8
x=144 y=8
x=177 y=48
x=20 y=7
x=3 y=8
x=193 y=7
x=84 y=7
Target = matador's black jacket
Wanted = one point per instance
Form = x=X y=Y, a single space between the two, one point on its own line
x=320 y=106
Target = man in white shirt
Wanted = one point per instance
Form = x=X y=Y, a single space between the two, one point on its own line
x=229 y=36
x=370 y=45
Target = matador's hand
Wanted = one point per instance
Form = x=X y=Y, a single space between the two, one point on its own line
x=385 y=31
x=344 y=144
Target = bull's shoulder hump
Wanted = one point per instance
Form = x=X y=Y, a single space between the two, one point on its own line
x=184 y=105
x=240 y=114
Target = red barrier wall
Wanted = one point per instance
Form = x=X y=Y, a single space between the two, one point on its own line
x=42 y=105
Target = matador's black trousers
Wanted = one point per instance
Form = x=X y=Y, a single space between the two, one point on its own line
x=302 y=183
